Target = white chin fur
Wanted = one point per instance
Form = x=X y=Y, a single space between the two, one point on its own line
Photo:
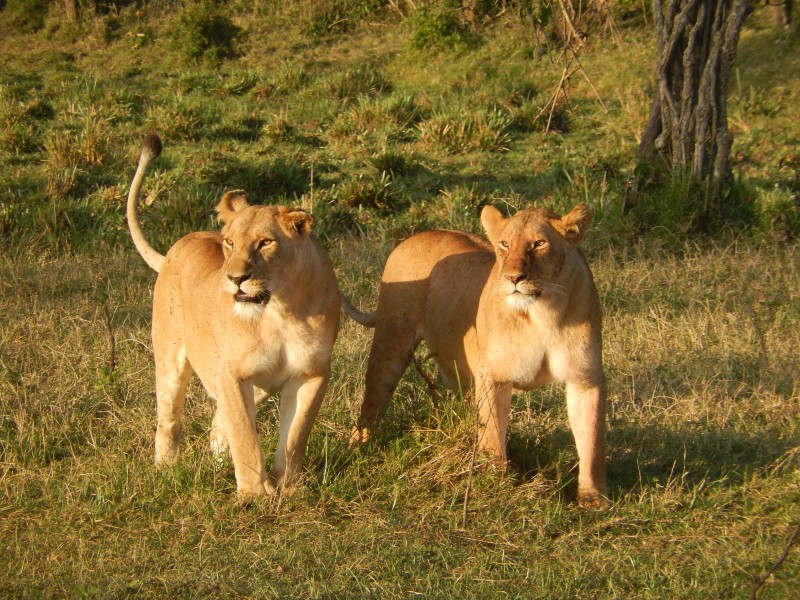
x=248 y=310
x=520 y=302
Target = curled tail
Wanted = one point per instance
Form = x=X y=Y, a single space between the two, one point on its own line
x=365 y=319
x=151 y=147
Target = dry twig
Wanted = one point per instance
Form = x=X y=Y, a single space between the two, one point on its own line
x=758 y=582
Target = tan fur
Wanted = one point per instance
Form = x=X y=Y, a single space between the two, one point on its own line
x=515 y=313
x=252 y=310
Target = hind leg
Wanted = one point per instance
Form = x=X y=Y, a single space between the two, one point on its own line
x=219 y=443
x=172 y=376
x=392 y=348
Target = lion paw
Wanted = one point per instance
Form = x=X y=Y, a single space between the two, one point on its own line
x=593 y=499
x=358 y=437
x=266 y=487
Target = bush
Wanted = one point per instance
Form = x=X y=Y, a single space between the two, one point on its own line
x=27 y=16
x=467 y=131
x=439 y=28
x=340 y=15
x=204 y=33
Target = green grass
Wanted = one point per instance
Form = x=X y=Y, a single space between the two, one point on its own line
x=380 y=138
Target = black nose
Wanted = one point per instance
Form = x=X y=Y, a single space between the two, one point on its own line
x=238 y=279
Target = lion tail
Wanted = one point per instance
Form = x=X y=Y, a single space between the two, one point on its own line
x=365 y=319
x=151 y=148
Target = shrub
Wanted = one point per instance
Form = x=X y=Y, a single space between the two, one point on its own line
x=439 y=28
x=205 y=33
x=365 y=192
x=352 y=83
x=391 y=163
x=340 y=15
x=27 y=16
x=779 y=213
x=467 y=132
x=177 y=122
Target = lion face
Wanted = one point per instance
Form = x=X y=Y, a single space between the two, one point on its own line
x=261 y=245
x=531 y=249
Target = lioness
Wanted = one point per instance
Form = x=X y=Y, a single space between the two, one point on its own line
x=515 y=313
x=252 y=310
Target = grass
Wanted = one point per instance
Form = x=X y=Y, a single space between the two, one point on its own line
x=703 y=457
x=380 y=138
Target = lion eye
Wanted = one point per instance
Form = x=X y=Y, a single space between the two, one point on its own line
x=264 y=243
x=539 y=244
x=503 y=245
x=227 y=242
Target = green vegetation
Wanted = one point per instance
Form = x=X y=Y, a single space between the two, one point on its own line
x=346 y=108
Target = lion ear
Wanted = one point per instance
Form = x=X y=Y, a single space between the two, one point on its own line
x=297 y=221
x=232 y=202
x=573 y=225
x=493 y=222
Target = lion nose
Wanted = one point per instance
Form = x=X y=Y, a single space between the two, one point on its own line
x=238 y=279
x=515 y=278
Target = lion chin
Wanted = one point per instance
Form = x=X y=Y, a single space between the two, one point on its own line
x=249 y=306
x=520 y=302
x=249 y=310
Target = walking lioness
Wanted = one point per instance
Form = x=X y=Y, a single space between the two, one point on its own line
x=515 y=313
x=252 y=309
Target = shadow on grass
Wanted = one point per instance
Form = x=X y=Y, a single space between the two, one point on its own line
x=655 y=456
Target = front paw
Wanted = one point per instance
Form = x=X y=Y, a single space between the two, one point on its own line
x=593 y=499
x=358 y=437
x=166 y=451
x=248 y=492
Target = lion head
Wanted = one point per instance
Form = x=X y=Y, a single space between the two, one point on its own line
x=262 y=249
x=532 y=248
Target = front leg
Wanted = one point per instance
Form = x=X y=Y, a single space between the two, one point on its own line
x=586 y=407
x=236 y=413
x=301 y=399
x=493 y=403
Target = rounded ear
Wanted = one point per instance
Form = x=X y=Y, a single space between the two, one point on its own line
x=493 y=222
x=573 y=225
x=231 y=203
x=296 y=221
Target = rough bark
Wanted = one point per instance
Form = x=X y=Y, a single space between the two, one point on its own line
x=688 y=125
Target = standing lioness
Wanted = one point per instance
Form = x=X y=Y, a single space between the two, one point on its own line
x=255 y=307
x=517 y=313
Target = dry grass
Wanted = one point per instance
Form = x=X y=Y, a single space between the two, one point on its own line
x=703 y=442
x=700 y=339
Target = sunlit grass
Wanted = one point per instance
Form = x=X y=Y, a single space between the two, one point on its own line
x=379 y=140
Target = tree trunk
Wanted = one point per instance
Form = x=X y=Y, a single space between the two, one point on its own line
x=71 y=9
x=688 y=125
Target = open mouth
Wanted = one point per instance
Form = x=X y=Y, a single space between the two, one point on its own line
x=260 y=298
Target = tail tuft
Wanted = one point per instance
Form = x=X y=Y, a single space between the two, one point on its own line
x=151 y=145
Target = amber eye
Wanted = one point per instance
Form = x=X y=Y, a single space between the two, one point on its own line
x=538 y=244
x=503 y=245
x=228 y=243
x=265 y=243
